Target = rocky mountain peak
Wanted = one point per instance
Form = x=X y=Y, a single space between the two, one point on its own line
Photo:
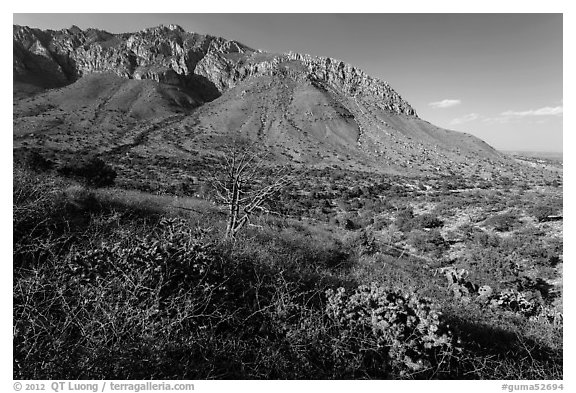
x=353 y=81
x=169 y=54
x=174 y=27
x=162 y=29
x=312 y=109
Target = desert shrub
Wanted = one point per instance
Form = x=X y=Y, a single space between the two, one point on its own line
x=36 y=161
x=364 y=219
x=356 y=204
x=405 y=219
x=458 y=283
x=348 y=224
x=428 y=241
x=352 y=221
x=505 y=181
x=448 y=206
x=485 y=239
x=540 y=251
x=545 y=291
x=428 y=221
x=542 y=211
x=405 y=333
x=45 y=215
x=363 y=242
x=448 y=185
x=176 y=259
x=504 y=222
x=524 y=303
x=380 y=223
x=467 y=230
x=490 y=266
x=354 y=192
x=398 y=190
x=93 y=171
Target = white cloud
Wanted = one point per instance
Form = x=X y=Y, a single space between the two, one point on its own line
x=498 y=120
x=465 y=119
x=447 y=103
x=545 y=111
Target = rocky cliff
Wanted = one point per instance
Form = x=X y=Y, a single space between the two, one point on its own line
x=168 y=54
x=165 y=92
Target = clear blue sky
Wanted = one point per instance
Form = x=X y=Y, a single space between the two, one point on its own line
x=497 y=76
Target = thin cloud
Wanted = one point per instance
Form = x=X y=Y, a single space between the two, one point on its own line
x=447 y=103
x=545 y=111
x=465 y=119
x=499 y=120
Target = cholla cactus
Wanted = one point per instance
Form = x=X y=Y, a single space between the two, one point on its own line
x=171 y=259
x=409 y=330
x=457 y=283
x=453 y=275
x=513 y=300
x=549 y=314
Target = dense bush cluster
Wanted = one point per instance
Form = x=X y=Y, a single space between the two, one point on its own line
x=99 y=311
x=428 y=241
x=521 y=302
x=406 y=330
x=528 y=302
x=36 y=161
x=93 y=171
x=167 y=265
x=429 y=221
x=542 y=211
x=503 y=222
x=405 y=219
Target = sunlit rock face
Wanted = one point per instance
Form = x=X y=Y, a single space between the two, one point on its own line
x=170 y=55
x=305 y=109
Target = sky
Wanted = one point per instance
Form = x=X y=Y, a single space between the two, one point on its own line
x=496 y=76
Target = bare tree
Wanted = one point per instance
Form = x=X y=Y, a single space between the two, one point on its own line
x=239 y=184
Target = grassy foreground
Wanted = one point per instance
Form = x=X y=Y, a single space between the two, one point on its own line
x=117 y=288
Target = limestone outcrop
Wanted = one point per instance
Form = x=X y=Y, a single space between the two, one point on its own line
x=170 y=55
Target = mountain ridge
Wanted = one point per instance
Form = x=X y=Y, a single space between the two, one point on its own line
x=73 y=87
x=169 y=54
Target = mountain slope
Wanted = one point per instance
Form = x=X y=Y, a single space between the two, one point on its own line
x=189 y=93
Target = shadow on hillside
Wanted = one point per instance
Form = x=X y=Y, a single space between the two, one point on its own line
x=203 y=87
x=498 y=353
x=312 y=261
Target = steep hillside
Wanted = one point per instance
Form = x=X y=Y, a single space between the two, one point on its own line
x=169 y=93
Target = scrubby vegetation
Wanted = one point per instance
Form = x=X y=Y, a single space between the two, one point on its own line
x=112 y=287
x=93 y=171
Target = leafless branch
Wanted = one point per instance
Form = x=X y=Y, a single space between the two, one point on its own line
x=237 y=185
